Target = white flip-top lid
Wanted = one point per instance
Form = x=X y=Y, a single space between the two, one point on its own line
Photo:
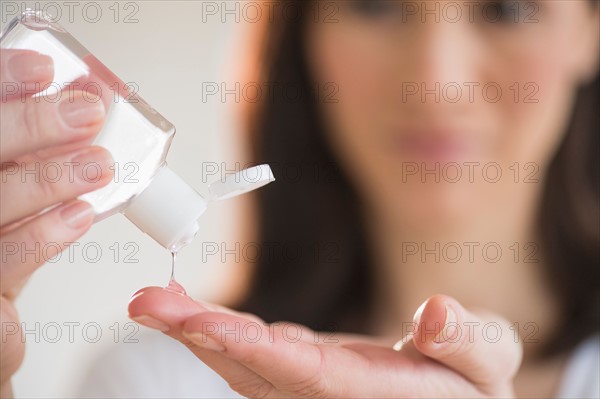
x=168 y=209
x=241 y=182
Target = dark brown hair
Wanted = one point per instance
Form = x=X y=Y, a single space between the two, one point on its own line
x=317 y=272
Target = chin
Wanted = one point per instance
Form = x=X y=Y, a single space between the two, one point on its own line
x=433 y=208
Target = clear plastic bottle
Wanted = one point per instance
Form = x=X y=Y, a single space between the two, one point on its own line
x=148 y=193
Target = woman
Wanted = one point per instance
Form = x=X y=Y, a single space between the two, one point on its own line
x=447 y=154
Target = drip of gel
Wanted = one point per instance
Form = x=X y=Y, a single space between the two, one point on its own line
x=173 y=285
x=229 y=187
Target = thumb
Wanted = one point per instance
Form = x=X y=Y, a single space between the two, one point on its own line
x=477 y=345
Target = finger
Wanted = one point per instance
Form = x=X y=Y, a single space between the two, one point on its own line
x=28 y=188
x=15 y=225
x=167 y=311
x=478 y=346
x=38 y=122
x=275 y=351
x=162 y=309
x=297 y=367
x=107 y=85
x=153 y=303
x=32 y=244
x=23 y=73
x=158 y=300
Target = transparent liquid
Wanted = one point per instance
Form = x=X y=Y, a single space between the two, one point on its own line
x=173 y=285
x=137 y=137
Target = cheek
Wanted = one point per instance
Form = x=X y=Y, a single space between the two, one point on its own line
x=358 y=68
x=535 y=110
x=550 y=61
x=534 y=130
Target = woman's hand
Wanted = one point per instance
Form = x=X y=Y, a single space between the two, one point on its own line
x=44 y=160
x=286 y=360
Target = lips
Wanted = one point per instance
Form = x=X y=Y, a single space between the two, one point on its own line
x=434 y=146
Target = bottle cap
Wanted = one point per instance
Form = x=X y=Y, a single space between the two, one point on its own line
x=241 y=182
x=167 y=210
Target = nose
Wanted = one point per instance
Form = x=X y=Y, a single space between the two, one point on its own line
x=445 y=61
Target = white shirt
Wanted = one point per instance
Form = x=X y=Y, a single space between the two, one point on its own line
x=582 y=374
x=160 y=367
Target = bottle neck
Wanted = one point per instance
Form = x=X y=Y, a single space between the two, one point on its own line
x=167 y=210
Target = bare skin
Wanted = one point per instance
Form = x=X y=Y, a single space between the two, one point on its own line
x=374 y=131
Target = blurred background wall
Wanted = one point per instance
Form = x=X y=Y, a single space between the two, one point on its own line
x=76 y=307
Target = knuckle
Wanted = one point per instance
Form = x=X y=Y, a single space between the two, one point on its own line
x=463 y=347
x=44 y=188
x=252 y=388
x=33 y=120
x=250 y=357
x=509 y=364
x=314 y=385
x=36 y=234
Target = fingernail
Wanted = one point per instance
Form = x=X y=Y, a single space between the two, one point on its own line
x=417 y=316
x=403 y=341
x=30 y=67
x=205 y=341
x=93 y=165
x=151 y=322
x=449 y=323
x=408 y=337
x=79 y=111
x=77 y=214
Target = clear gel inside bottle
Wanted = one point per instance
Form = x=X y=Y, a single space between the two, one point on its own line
x=148 y=193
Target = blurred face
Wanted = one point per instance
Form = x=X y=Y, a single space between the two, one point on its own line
x=445 y=109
